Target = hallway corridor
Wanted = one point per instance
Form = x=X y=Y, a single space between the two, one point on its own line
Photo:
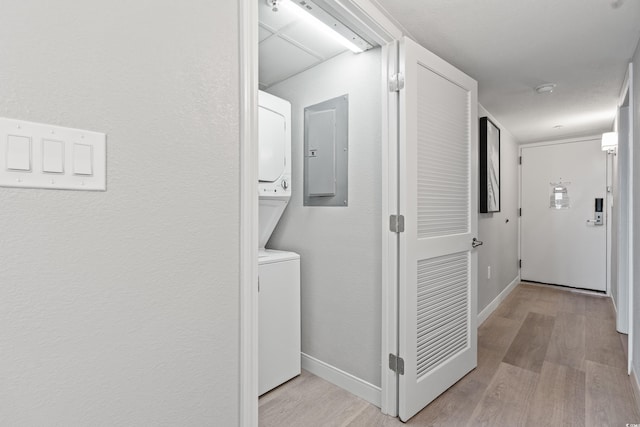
x=546 y=357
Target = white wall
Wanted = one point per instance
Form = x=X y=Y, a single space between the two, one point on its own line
x=339 y=246
x=500 y=248
x=121 y=307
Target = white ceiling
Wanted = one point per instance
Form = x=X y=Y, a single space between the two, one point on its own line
x=289 y=46
x=512 y=46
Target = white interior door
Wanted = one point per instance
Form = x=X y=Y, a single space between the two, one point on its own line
x=438 y=198
x=558 y=244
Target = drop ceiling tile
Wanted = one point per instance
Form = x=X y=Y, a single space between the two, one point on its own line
x=274 y=20
x=280 y=59
x=313 y=39
x=263 y=33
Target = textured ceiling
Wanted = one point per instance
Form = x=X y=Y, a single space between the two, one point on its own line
x=512 y=46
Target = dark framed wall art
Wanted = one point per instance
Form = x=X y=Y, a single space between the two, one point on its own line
x=489 y=166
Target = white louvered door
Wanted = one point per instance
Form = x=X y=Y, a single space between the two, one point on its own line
x=438 y=198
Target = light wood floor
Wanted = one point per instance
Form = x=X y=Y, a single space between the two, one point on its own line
x=546 y=357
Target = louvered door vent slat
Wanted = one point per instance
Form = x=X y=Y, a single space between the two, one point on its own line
x=443 y=310
x=443 y=158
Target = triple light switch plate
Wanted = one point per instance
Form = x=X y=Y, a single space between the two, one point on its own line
x=34 y=155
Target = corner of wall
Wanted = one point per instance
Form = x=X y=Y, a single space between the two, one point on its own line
x=499 y=231
x=484 y=314
x=344 y=380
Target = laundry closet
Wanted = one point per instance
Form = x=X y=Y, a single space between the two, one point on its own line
x=320 y=206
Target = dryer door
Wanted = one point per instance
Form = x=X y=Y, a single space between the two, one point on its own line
x=271 y=142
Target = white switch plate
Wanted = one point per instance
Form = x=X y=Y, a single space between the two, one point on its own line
x=60 y=158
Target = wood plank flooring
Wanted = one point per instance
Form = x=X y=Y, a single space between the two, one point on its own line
x=546 y=357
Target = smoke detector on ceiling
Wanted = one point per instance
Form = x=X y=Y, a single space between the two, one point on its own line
x=616 y=3
x=545 y=88
x=273 y=4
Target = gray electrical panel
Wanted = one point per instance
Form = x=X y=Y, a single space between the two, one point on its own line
x=326 y=140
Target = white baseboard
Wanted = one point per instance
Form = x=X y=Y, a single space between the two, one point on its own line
x=342 y=379
x=635 y=386
x=484 y=314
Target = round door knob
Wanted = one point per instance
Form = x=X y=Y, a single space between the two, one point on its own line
x=284 y=184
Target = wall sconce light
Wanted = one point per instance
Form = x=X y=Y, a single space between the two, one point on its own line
x=609 y=142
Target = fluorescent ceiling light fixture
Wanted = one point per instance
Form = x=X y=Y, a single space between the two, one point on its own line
x=609 y=141
x=327 y=24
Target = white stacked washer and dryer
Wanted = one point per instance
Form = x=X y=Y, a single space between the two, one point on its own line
x=279 y=271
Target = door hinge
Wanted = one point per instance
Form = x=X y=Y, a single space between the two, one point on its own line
x=396 y=223
x=520 y=160
x=396 y=82
x=396 y=364
x=519 y=263
x=519 y=211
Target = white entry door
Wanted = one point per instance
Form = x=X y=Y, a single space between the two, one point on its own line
x=560 y=243
x=438 y=198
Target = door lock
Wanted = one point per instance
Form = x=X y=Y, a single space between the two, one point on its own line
x=475 y=243
x=597 y=215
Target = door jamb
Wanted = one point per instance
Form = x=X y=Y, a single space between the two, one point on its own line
x=632 y=332
x=248 y=126
x=387 y=33
x=627 y=90
x=622 y=321
x=390 y=241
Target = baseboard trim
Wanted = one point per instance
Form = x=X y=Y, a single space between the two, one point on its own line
x=342 y=379
x=484 y=314
x=636 y=387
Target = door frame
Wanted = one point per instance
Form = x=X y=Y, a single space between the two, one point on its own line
x=608 y=195
x=627 y=91
x=623 y=262
x=248 y=156
x=382 y=29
